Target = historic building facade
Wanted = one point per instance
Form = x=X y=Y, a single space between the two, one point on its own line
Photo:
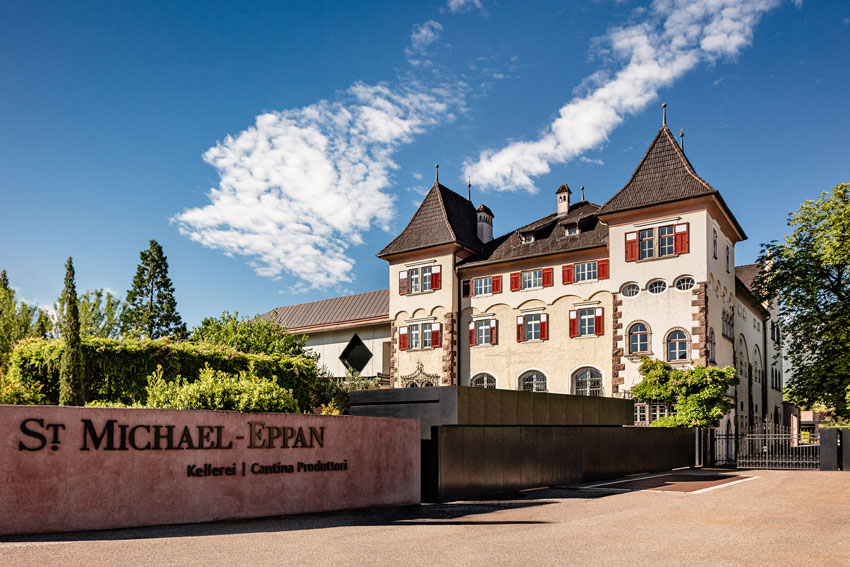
x=570 y=302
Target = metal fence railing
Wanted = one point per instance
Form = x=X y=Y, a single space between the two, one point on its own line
x=768 y=446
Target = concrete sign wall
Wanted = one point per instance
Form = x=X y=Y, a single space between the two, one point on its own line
x=69 y=468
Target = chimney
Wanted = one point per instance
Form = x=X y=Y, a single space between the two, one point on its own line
x=485 y=224
x=563 y=193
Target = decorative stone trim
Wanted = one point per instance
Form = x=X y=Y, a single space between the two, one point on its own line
x=449 y=350
x=617 y=345
x=394 y=381
x=700 y=328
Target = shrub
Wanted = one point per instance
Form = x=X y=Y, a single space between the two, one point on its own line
x=116 y=371
x=15 y=391
x=217 y=390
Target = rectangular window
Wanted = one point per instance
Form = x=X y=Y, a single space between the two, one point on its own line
x=572 y=230
x=728 y=260
x=532 y=279
x=640 y=413
x=666 y=246
x=420 y=279
x=482 y=286
x=413 y=333
x=426 y=335
x=586 y=322
x=657 y=411
x=482 y=332
x=647 y=243
x=532 y=327
x=585 y=271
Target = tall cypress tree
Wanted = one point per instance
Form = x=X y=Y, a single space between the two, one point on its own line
x=150 y=310
x=71 y=372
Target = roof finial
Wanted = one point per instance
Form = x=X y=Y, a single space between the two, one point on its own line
x=436 y=173
x=469 y=189
x=664 y=114
x=682 y=138
x=582 y=192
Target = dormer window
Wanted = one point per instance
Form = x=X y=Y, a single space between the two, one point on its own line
x=527 y=238
x=572 y=229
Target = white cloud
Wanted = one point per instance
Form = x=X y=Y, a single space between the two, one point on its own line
x=671 y=38
x=421 y=38
x=300 y=186
x=591 y=161
x=457 y=6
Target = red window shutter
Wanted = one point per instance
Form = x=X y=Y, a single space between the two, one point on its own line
x=602 y=271
x=681 y=239
x=466 y=287
x=544 y=327
x=402 y=338
x=472 y=333
x=520 y=329
x=632 y=249
x=494 y=332
x=497 y=284
x=573 y=323
x=436 y=277
x=568 y=273
x=548 y=277
x=516 y=281
x=436 y=335
x=597 y=323
x=402 y=282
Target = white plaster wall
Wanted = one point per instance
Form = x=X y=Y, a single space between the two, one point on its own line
x=662 y=313
x=419 y=307
x=330 y=344
x=557 y=358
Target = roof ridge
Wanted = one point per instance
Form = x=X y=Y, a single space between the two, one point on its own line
x=443 y=208
x=685 y=161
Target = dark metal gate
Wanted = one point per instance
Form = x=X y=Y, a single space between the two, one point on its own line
x=767 y=446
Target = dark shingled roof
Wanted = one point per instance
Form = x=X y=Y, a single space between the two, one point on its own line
x=550 y=237
x=334 y=311
x=664 y=174
x=444 y=217
x=747 y=274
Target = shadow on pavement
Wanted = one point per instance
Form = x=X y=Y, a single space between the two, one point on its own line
x=422 y=515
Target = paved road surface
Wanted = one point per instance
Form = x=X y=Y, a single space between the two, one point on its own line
x=781 y=518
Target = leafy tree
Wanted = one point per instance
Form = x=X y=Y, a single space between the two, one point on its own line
x=17 y=321
x=71 y=372
x=251 y=335
x=100 y=314
x=698 y=394
x=150 y=310
x=808 y=275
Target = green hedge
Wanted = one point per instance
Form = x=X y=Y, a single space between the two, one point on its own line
x=117 y=370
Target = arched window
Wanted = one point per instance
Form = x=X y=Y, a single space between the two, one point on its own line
x=743 y=359
x=677 y=346
x=657 y=286
x=756 y=365
x=630 y=289
x=483 y=381
x=587 y=381
x=638 y=339
x=684 y=283
x=715 y=244
x=532 y=381
x=712 y=346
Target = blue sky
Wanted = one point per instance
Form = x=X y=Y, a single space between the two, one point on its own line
x=274 y=148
